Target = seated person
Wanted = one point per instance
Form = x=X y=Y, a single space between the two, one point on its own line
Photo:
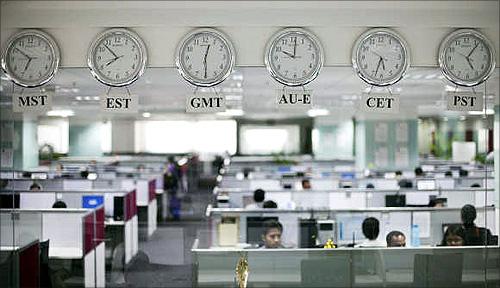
x=403 y=182
x=59 y=204
x=370 y=186
x=395 y=239
x=475 y=185
x=35 y=187
x=419 y=172
x=448 y=174
x=454 y=236
x=306 y=184
x=272 y=234
x=474 y=235
x=258 y=197
x=438 y=202
x=371 y=230
x=270 y=204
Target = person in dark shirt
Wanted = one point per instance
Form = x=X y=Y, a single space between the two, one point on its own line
x=474 y=235
x=270 y=204
x=59 y=204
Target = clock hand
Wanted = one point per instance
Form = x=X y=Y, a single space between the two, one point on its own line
x=378 y=65
x=470 y=63
x=109 y=49
x=470 y=53
x=294 y=48
x=27 y=64
x=383 y=63
x=24 y=54
x=113 y=60
x=205 y=60
x=288 y=54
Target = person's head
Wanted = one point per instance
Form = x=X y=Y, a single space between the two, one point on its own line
x=272 y=234
x=448 y=174
x=371 y=228
x=370 y=186
x=475 y=185
x=306 y=184
x=419 y=171
x=437 y=202
x=468 y=215
x=35 y=187
x=259 y=195
x=454 y=236
x=399 y=173
x=59 y=204
x=395 y=239
x=270 y=204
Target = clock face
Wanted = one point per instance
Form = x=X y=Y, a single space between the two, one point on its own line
x=31 y=58
x=380 y=57
x=466 y=57
x=294 y=57
x=117 y=57
x=205 y=57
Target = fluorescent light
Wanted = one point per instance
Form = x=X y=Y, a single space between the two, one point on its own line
x=79 y=98
x=487 y=112
x=60 y=113
x=146 y=114
x=317 y=112
x=86 y=98
x=232 y=112
x=96 y=98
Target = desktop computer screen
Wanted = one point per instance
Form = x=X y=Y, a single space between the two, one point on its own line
x=9 y=201
x=92 y=201
x=426 y=185
x=395 y=200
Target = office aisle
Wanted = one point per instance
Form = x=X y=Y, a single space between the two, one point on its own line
x=165 y=260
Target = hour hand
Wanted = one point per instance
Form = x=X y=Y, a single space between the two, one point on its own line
x=288 y=54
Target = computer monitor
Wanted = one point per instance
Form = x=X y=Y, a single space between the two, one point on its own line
x=255 y=228
x=92 y=201
x=426 y=185
x=395 y=200
x=9 y=201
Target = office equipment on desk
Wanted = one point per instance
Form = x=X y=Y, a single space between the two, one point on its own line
x=283 y=169
x=255 y=228
x=429 y=184
x=9 y=200
x=428 y=168
x=92 y=201
x=228 y=231
x=326 y=230
x=308 y=233
x=395 y=200
x=39 y=175
x=347 y=176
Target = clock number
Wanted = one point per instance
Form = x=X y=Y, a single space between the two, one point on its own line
x=30 y=40
x=205 y=39
x=466 y=39
x=372 y=41
x=107 y=42
x=117 y=39
x=380 y=39
x=101 y=49
x=457 y=42
x=196 y=42
x=190 y=49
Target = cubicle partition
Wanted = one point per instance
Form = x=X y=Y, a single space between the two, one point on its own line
x=359 y=197
x=349 y=267
x=228 y=226
x=74 y=235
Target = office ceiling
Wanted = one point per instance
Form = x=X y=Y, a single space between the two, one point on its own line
x=336 y=92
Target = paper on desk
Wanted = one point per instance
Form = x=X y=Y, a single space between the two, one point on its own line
x=423 y=220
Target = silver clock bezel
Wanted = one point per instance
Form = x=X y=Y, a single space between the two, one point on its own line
x=370 y=33
x=117 y=31
x=193 y=80
x=54 y=65
x=270 y=46
x=442 y=57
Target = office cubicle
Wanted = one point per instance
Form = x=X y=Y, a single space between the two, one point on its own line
x=75 y=239
x=349 y=267
x=229 y=226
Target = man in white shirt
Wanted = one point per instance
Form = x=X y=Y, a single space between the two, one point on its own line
x=371 y=229
x=258 y=197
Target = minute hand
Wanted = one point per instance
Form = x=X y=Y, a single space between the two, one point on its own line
x=470 y=53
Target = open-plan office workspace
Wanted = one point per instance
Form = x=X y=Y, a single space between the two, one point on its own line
x=250 y=144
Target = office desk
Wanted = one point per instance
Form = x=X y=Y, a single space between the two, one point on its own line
x=346 y=267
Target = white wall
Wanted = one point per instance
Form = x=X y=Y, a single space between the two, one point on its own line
x=250 y=24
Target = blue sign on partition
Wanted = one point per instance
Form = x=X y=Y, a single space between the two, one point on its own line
x=92 y=201
x=284 y=169
x=347 y=176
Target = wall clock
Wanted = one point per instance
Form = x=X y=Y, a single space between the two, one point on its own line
x=205 y=57
x=466 y=57
x=380 y=57
x=31 y=58
x=117 y=57
x=294 y=57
